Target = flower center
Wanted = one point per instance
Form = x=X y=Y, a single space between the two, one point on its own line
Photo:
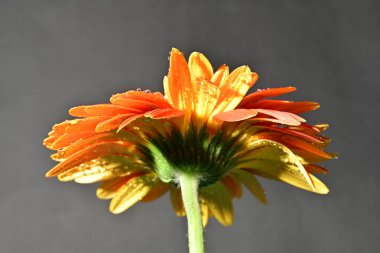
x=197 y=152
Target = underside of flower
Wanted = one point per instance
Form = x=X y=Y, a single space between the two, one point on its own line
x=143 y=144
x=197 y=152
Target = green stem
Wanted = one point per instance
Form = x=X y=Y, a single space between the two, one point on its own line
x=189 y=189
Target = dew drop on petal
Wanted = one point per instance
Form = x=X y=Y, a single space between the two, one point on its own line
x=138 y=89
x=60 y=152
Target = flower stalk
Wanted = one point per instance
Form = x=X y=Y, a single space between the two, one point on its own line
x=189 y=190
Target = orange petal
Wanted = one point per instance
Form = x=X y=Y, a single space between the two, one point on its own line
x=287 y=106
x=60 y=128
x=179 y=82
x=98 y=110
x=200 y=66
x=261 y=94
x=261 y=119
x=112 y=123
x=130 y=98
x=89 y=153
x=69 y=138
x=308 y=156
x=47 y=142
x=307 y=129
x=128 y=121
x=93 y=140
x=163 y=113
x=78 y=111
x=294 y=133
x=137 y=105
x=315 y=169
x=69 y=131
x=236 y=115
x=297 y=143
x=86 y=124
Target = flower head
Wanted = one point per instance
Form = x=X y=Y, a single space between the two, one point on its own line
x=204 y=125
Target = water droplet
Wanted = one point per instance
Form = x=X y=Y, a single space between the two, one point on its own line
x=61 y=152
x=138 y=89
x=147 y=91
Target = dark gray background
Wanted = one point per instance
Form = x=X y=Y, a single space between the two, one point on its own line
x=58 y=54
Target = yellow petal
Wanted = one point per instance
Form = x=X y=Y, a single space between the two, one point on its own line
x=233 y=184
x=158 y=190
x=204 y=211
x=274 y=160
x=206 y=96
x=131 y=192
x=200 y=66
x=219 y=201
x=108 y=188
x=98 y=170
x=86 y=175
x=177 y=203
x=252 y=184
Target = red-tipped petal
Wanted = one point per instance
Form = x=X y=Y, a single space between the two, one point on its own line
x=294 y=133
x=261 y=94
x=315 y=169
x=297 y=143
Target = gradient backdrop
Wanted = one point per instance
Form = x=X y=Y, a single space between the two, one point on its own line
x=58 y=54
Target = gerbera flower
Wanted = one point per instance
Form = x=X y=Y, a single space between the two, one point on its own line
x=201 y=142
